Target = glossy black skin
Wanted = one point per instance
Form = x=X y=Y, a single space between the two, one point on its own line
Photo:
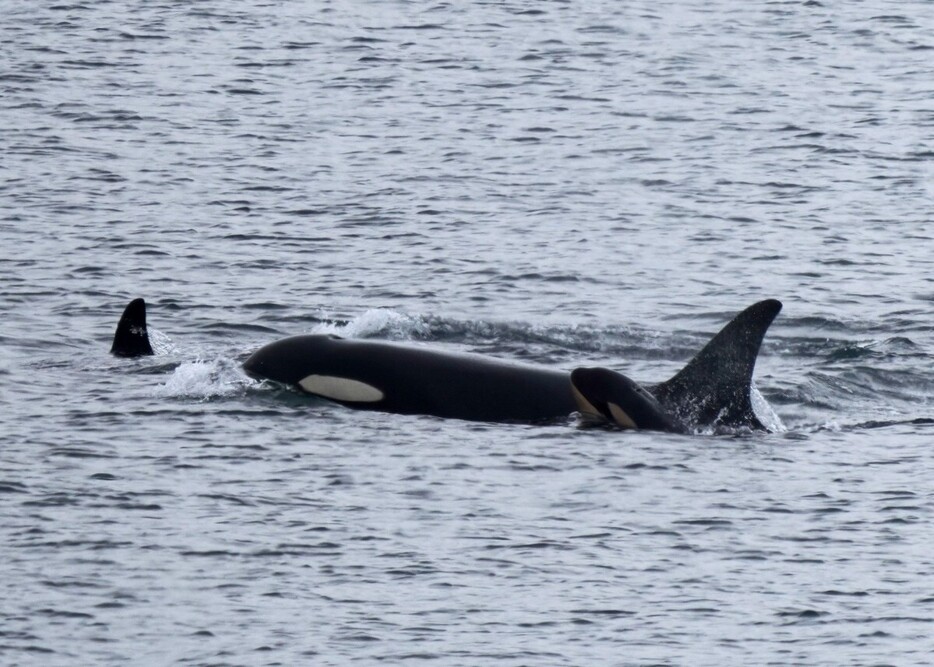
x=600 y=386
x=132 y=338
x=714 y=388
x=416 y=380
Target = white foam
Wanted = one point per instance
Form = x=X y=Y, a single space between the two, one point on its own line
x=204 y=380
x=378 y=321
x=161 y=343
x=764 y=411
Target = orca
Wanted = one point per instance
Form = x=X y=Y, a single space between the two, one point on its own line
x=714 y=390
x=604 y=395
x=408 y=379
x=132 y=338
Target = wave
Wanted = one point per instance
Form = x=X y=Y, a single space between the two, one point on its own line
x=509 y=338
x=204 y=380
x=377 y=323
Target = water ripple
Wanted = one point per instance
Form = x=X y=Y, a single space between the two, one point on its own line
x=558 y=184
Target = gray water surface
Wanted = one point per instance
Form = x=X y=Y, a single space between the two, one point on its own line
x=562 y=183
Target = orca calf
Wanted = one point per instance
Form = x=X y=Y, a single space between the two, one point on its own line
x=713 y=390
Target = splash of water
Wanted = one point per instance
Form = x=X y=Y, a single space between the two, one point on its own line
x=381 y=322
x=764 y=411
x=204 y=379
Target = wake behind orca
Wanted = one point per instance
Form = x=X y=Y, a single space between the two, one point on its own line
x=714 y=390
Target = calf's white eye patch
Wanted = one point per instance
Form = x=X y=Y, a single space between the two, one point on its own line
x=622 y=419
x=341 y=389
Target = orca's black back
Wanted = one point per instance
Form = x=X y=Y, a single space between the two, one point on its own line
x=415 y=380
x=716 y=386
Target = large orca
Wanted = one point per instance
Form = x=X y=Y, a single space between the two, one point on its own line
x=411 y=379
x=713 y=390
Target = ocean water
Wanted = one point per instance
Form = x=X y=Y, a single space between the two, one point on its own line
x=560 y=183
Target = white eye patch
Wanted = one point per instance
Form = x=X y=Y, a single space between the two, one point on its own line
x=341 y=389
x=622 y=419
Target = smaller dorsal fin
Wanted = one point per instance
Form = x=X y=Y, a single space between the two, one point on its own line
x=132 y=338
x=715 y=387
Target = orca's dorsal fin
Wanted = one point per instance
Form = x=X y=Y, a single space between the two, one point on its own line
x=715 y=387
x=132 y=338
